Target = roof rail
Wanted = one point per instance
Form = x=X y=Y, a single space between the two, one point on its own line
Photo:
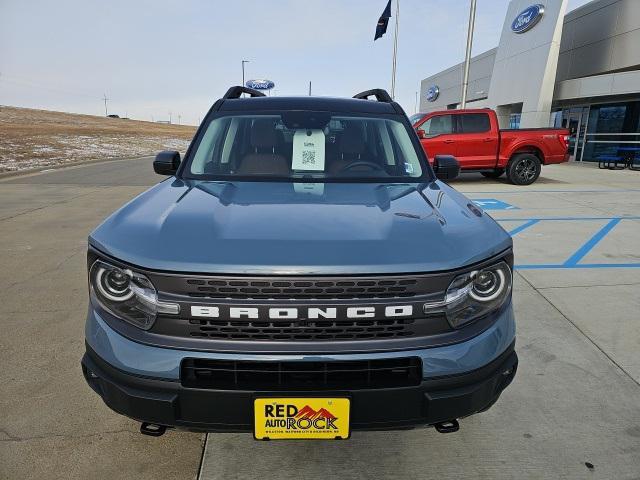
x=380 y=94
x=235 y=92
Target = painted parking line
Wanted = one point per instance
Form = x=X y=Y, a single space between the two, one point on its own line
x=493 y=204
x=509 y=192
x=552 y=266
x=592 y=242
x=552 y=219
x=524 y=226
x=573 y=262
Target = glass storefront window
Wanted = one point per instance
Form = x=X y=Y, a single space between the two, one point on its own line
x=610 y=119
x=613 y=132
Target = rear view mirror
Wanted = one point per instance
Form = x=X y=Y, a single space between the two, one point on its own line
x=305 y=119
x=446 y=167
x=167 y=162
x=421 y=133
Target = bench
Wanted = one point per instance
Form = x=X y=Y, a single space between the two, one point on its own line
x=612 y=162
x=634 y=163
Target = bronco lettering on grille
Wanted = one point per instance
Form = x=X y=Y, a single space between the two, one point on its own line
x=295 y=313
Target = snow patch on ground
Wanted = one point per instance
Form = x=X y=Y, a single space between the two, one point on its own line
x=60 y=149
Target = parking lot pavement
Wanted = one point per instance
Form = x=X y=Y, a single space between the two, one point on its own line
x=575 y=400
x=576 y=397
x=51 y=424
x=567 y=406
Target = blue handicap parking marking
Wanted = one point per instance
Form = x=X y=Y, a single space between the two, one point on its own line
x=575 y=261
x=493 y=204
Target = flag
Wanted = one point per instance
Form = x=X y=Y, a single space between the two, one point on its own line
x=383 y=21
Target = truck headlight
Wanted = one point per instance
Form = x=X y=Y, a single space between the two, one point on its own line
x=473 y=295
x=127 y=294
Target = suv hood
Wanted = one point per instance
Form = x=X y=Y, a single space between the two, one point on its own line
x=286 y=228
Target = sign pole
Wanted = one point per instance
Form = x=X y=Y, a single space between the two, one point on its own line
x=467 y=57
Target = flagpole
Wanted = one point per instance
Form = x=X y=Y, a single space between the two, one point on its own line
x=395 y=52
x=467 y=56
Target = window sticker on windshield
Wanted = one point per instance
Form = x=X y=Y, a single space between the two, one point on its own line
x=308 y=150
x=408 y=168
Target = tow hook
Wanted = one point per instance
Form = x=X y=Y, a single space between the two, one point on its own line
x=152 y=429
x=449 y=426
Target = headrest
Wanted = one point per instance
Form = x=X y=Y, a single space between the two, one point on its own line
x=352 y=141
x=263 y=133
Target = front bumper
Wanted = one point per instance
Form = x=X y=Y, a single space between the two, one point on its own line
x=168 y=403
x=144 y=381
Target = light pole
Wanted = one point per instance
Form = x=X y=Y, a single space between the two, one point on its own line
x=243 y=62
x=467 y=57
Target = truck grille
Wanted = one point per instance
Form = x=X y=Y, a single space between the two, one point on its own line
x=301 y=289
x=315 y=330
x=278 y=376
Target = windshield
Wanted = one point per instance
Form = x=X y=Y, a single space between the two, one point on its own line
x=305 y=146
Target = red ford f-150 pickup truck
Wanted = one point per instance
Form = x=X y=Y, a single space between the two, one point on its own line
x=475 y=139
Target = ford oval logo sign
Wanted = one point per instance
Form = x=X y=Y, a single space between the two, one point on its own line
x=262 y=84
x=432 y=93
x=528 y=18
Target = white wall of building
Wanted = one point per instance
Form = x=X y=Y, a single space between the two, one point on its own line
x=525 y=66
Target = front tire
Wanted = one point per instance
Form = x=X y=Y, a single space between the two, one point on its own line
x=523 y=169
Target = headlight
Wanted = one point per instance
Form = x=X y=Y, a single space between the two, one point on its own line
x=474 y=294
x=127 y=294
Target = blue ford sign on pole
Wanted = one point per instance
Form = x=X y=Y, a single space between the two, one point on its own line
x=262 y=84
x=528 y=18
x=432 y=93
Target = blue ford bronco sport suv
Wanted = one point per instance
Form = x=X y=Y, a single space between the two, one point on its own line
x=302 y=273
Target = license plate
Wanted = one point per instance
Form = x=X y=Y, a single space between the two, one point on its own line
x=303 y=418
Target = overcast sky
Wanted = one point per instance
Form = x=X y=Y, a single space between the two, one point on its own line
x=152 y=57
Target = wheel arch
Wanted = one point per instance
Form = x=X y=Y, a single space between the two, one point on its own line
x=532 y=149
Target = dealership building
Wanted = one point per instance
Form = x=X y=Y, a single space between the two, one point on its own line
x=579 y=70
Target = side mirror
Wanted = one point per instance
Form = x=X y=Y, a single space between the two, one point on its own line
x=446 y=167
x=421 y=133
x=167 y=162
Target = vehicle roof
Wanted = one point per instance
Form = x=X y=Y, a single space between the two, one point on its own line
x=331 y=104
x=461 y=110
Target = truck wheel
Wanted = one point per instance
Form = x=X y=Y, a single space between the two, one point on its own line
x=523 y=169
x=497 y=173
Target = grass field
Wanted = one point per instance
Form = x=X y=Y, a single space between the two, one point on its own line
x=39 y=138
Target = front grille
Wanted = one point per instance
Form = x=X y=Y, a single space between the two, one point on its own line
x=316 y=330
x=341 y=292
x=301 y=289
x=279 y=376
